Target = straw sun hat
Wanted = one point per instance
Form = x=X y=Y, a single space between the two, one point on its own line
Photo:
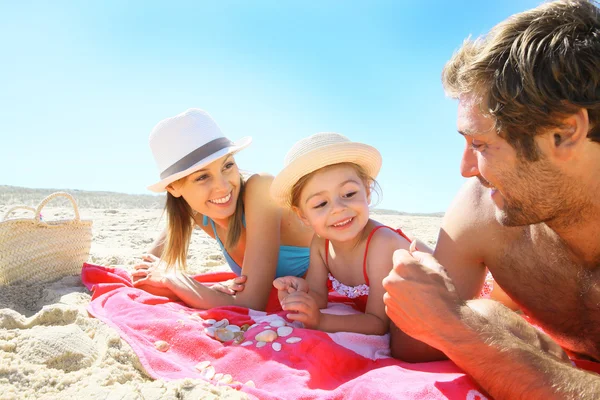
x=187 y=142
x=318 y=151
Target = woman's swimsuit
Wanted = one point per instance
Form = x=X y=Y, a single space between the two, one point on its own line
x=358 y=294
x=292 y=260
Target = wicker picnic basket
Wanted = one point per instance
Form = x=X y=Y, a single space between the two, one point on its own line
x=36 y=251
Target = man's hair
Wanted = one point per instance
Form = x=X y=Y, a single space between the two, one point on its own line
x=532 y=69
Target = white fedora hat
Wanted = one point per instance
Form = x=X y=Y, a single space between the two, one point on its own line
x=318 y=151
x=186 y=143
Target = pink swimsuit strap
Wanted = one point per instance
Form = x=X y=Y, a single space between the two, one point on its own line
x=398 y=231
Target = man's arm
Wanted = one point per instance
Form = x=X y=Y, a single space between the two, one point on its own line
x=506 y=356
x=509 y=358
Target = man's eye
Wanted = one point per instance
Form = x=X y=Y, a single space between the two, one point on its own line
x=349 y=195
x=320 y=205
x=477 y=145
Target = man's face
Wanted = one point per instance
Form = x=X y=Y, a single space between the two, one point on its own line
x=524 y=192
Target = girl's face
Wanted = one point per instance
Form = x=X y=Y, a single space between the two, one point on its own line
x=212 y=190
x=335 y=203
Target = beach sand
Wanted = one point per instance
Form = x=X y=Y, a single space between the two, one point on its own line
x=49 y=346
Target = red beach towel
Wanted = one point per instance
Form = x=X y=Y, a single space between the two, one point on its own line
x=318 y=366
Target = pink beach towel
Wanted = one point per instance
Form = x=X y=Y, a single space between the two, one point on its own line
x=319 y=366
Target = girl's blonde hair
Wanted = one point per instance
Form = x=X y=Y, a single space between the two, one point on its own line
x=369 y=182
x=180 y=224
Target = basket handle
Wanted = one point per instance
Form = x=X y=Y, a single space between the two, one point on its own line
x=17 y=208
x=52 y=196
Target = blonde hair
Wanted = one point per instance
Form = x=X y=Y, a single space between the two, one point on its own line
x=180 y=224
x=532 y=69
x=369 y=182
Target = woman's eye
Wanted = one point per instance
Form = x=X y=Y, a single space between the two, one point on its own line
x=229 y=165
x=201 y=178
x=321 y=204
x=349 y=195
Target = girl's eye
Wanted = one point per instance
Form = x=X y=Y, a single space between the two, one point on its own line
x=229 y=165
x=320 y=205
x=349 y=195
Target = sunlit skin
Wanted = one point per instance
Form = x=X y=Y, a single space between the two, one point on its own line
x=211 y=191
x=337 y=211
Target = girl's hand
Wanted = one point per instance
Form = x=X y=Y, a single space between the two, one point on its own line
x=304 y=307
x=289 y=284
x=232 y=286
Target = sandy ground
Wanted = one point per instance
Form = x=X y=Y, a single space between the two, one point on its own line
x=51 y=349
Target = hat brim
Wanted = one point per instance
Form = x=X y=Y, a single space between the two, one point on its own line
x=364 y=155
x=238 y=145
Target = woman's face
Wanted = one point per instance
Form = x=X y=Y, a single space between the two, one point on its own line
x=213 y=190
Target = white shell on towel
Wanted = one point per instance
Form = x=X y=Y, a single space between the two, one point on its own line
x=211 y=321
x=222 y=323
x=248 y=343
x=276 y=346
x=284 y=330
x=202 y=365
x=260 y=344
x=161 y=345
x=208 y=372
x=266 y=336
x=233 y=328
x=277 y=323
x=293 y=339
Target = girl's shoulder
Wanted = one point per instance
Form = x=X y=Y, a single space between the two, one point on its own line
x=385 y=239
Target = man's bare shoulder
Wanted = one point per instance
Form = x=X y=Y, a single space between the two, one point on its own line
x=470 y=219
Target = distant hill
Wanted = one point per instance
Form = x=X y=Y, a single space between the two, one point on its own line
x=15 y=195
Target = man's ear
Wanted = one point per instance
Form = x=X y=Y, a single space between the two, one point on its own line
x=571 y=135
x=301 y=215
x=173 y=189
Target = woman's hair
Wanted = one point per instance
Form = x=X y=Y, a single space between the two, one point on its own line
x=369 y=182
x=532 y=69
x=180 y=224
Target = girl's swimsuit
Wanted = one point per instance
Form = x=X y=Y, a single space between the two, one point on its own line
x=292 y=260
x=358 y=294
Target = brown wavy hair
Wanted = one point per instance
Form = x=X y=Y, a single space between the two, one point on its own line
x=533 y=69
x=180 y=224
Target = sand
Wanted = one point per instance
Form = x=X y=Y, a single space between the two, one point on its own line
x=49 y=346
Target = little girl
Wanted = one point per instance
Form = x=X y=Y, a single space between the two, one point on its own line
x=328 y=181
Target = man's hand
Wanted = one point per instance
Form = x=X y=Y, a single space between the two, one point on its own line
x=420 y=296
x=304 y=309
x=289 y=284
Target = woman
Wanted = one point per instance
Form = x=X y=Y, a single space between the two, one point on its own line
x=205 y=188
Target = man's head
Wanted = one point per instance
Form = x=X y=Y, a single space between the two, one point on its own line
x=532 y=70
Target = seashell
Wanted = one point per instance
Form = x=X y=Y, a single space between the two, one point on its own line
x=266 y=336
x=260 y=344
x=202 y=365
x=276 y=346
x=218 y=376
x=284 y=330
x=253 y=326
x=161 y=345
x=238 y=337
x=196 y=317
x=211 y=321
x=222 y=323
x=250 y=384
x=208 y=372
x=210 y=331
x=277 y=323
x=293 y=339
x=225 y=379
x=224 y=335
x=244 y=327
x=233 y=328
x=248 y=343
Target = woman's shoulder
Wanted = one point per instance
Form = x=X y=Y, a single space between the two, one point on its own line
x=258 y=182
x=257 y=192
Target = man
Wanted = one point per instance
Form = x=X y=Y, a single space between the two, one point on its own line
x=529 y=111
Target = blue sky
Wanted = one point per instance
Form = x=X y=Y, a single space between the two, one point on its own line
x=83 y=83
